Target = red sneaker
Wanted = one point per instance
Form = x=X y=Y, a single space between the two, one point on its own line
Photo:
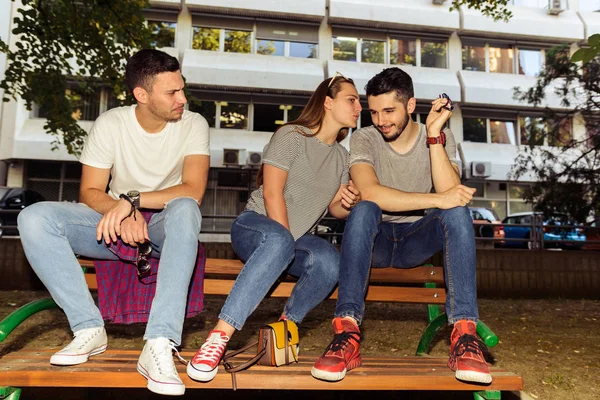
x=342 y=354
x=466 y=354
x=203 y=366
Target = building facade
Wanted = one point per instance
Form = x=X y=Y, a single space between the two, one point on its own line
x=252 y=65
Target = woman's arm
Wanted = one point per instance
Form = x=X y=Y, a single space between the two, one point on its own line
x=274 y=180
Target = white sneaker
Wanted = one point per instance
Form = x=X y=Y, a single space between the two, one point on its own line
x=205 y=364
x=156 y=364
x=87 y=342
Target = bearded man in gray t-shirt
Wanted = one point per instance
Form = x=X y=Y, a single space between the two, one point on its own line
x=402 y=168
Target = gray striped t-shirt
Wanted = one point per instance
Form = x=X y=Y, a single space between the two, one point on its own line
x=315 y=172
x=409 y=172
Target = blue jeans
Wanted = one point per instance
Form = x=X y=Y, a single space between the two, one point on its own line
x=368 y=242
x=52 y=233
x=268 y=250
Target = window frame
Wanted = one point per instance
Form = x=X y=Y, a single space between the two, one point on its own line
x=515 y=47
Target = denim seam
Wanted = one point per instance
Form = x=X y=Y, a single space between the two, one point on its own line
x=447 y=257
x=300 y=283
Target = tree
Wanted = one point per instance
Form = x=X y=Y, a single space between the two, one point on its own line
x=65 y=51
x=568 y=174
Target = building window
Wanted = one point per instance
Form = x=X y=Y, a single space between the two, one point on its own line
x=287 y=39
x=433 y=54
x=236 y=41
x=530 y=61
x=163 y=33
x=473 y=58
x=383 y=49
x=206 y=38
x=56 y=181
x=162 y=24
x=216 y=33
x=403 y=51
x=206 y=108
x=536 y=131
x=501 y=59
x=489 y=57
x=489 y=130
x=303 y=50
x=502 y=132
x=87 y=105
x=233 y=115
x=268 y=117
x=344 y=48
x=475 y=130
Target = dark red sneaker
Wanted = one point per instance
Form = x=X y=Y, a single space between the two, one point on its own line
x=342 y=354
x=466 y=354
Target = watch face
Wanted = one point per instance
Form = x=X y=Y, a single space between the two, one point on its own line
x=133 y=193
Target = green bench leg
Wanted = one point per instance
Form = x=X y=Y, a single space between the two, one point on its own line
x=487 y=395
x=9 y=393
x=430 y=332
x=8 y=324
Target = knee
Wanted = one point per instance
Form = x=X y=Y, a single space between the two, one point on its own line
x=327 y=265
x=34 y=218
x=281 y=239
x=458 y=219
x=185 y=211
x=365 y=213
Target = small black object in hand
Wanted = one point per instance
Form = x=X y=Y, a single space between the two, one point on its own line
x=450 y=105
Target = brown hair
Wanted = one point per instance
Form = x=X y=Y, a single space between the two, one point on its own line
x=314 y=112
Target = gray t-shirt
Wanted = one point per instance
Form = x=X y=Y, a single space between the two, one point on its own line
x=315 y=172
x=409 y=172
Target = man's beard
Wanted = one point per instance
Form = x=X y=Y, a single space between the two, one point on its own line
x=166 y=116
x=399 y=131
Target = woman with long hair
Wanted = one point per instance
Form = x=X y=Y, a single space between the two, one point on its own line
x=304 y=174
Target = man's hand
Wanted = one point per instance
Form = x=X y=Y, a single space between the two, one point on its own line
x=134 y=231
x=437 y=117
x=456 y=196
x=109 y=227
x=350 y=196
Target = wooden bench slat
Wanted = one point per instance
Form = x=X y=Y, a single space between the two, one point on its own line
x=117 y=369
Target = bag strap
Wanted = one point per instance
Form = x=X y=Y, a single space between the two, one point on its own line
x=232 y=369
x=286 y=340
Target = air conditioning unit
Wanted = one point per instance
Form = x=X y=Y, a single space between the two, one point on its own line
x=438 y=2
x=234 y=157
x=481 y=169
x=254 y=158
x=555 y=7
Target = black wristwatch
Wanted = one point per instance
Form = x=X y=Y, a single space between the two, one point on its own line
x=134 y=195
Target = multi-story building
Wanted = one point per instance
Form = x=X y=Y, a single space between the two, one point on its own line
x=252 y=66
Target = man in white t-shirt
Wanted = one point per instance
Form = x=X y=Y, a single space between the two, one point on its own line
x=153 y=155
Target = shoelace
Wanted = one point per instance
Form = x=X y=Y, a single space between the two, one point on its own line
x=81 y=340
x=164 y=356
x=212 y=350
x=341 y=340
x=471 y=344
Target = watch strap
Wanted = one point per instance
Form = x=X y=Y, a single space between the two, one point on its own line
x=437 y=140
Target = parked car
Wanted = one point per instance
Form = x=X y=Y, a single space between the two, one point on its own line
x=592 y=233
x=487 y=224
x=13 y=200
x=552 y=230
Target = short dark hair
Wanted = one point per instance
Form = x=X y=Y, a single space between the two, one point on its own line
x=391 y=80
x=144 y=65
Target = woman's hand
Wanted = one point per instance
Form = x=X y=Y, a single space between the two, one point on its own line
x=350 y=196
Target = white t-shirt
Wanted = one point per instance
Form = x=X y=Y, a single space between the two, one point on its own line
x=140 y=160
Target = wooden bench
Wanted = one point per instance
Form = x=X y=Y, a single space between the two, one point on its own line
x=117 y=368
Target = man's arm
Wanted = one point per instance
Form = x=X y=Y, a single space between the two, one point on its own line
x=444 y=174
x=193 y=184
x=92 y=192
x=393 y=200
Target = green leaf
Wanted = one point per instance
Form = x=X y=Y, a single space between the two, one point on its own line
x=594 y=40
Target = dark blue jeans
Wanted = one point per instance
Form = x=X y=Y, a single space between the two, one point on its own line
x=368 y=242
x=268 y=250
